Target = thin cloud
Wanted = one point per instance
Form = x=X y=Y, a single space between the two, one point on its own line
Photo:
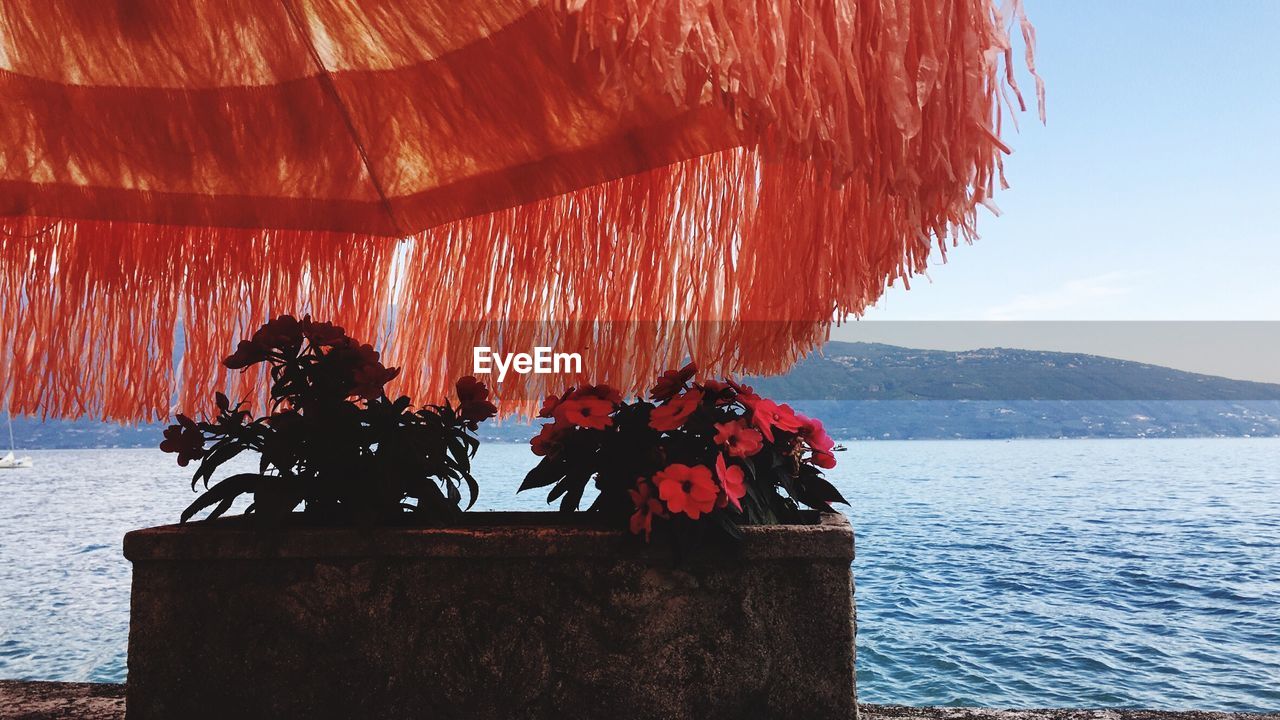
x=1075 y=297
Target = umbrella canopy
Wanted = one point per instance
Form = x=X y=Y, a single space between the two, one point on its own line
x=753 y=170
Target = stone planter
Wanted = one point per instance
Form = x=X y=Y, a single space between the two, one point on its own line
x=512 y=615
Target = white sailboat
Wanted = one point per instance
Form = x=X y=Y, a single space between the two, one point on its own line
x=10 y=461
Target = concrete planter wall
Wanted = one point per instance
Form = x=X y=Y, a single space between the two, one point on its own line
x=515 y=615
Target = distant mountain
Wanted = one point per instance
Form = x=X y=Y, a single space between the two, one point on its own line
x=872 y=371
x=874 y=391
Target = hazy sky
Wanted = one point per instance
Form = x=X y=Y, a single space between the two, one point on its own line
x=1152 y=193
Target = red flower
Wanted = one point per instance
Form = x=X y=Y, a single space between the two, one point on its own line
x=604 y=393
x=587 y=412
x=359 y=365
x=548 y=440
x=714 y=386
x=673 y=414
x=722 y=392
x=322 y=333
x=672 y=382
x=350 y=352
x=550 y=404
x=473 y=397
x=477 y=412
x=369 y=380
x=342 y=359
x=282 y=333
x=738 y=439
x=767 y=415
x=647 y=506
x=470 y=390
x=731 y=481
x=688 y=490
x=814 y=434
x=599 y=392
x=185 y=439
x=247 y=353
x=823 y=459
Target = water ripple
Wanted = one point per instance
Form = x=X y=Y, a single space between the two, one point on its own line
x=1123 y=573
x=1134 y=574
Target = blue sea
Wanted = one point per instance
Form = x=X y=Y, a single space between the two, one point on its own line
x=1027 y=573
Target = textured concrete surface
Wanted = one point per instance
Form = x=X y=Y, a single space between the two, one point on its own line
x=513 y=615
x=60 y=701
x=478 y=535
x=82 y=701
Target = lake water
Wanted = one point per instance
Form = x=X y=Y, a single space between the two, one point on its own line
x=1080 y=573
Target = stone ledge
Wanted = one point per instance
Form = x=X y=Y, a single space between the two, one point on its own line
x=23 y=700
x=60 y=701
x=476 y=535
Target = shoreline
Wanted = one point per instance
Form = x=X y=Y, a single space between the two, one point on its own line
x=40 y=700
x=842 y=440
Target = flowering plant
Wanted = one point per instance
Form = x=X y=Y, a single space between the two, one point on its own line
x=333 y=441
x=706 y=452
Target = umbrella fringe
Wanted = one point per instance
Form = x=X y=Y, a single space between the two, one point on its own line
x=747 y=263
x=819 y=76
x=740 y=259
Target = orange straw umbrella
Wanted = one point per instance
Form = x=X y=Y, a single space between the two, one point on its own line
x=424 y=170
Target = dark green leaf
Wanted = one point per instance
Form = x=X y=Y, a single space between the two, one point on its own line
x=224 y=492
